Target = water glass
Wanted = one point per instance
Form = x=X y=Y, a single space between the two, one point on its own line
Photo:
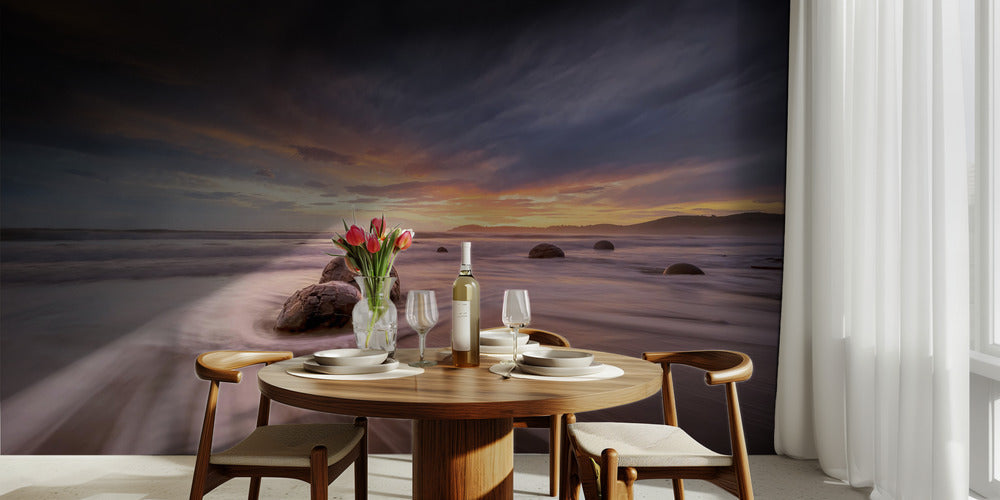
x=516 y=314
x=422 y=315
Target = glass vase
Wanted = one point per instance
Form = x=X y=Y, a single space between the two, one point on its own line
x=374 y=316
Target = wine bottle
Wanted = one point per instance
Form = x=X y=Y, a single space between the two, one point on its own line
x=465 y=313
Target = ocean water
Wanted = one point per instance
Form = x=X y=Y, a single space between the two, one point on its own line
x=99 y=330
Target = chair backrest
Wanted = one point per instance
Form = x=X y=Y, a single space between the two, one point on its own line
x=721 y=367
x=545 y=337
x=222 y=366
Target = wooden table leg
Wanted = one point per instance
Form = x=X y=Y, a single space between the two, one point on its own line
x=461 y=459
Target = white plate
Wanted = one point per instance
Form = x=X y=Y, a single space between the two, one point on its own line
x=507 y=349
x=560 y=371
x=556 y=358
x=387 y=366
x=350 y=357
x=501 y=336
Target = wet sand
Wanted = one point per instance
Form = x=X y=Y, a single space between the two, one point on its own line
x=132 y=389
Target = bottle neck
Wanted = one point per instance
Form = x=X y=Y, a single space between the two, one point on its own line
x=465 y=269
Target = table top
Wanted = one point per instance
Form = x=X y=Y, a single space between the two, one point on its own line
x=445 y=392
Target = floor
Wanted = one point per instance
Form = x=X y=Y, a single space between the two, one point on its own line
x=168 y=477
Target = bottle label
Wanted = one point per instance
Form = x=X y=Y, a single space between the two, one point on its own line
x=461 y=334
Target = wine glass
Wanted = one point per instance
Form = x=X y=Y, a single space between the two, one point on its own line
x=422 y=315
x=516 y=314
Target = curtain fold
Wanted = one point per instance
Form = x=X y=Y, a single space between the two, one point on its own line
x=873 y=358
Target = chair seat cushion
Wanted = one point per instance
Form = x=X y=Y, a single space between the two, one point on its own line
x=644 y=445
x=290 y=445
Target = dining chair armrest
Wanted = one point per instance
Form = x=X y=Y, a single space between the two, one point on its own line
x=720 y=366
x=222 y=366
x=545 y=337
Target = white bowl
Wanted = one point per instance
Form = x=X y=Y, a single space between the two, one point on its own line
x=387 y=366
x=350 y=357
x=553 y=357
x=560 y=371
x=506 y=350
x=501 y=337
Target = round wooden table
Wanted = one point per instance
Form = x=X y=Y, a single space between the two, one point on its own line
x=463 y=444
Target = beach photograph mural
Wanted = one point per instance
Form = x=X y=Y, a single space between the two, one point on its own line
x=171 y=176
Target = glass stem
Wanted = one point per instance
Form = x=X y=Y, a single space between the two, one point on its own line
x=513 y=358
x=423 y=339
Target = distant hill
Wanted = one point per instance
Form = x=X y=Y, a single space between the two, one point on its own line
x=744 y=223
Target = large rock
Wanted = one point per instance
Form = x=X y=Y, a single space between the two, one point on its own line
x=326 y=305
x=336 y=270
x=683 y=268
x=604 y=245
x=545 y=251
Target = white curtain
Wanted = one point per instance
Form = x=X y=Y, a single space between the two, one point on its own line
x=873 y=365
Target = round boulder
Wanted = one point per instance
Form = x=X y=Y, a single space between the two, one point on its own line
x=326 y=305
x=683 y=268
x=545 y=251
x=442 y=250
x=336 y=270
x=604 y=245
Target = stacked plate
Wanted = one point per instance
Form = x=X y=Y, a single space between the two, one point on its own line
x=350 y=362
x=558 y=363
x=501 y=337
x=500 y=340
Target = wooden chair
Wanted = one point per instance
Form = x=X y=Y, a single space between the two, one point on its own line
x=554 y=423
x=609 y=457
x=315 y=453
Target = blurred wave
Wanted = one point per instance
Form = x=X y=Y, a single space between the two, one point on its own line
x=99 y=335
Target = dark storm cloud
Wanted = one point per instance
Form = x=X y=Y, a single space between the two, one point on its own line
x=414 y=191
x=363 y=200
x=694 y=183
x=217 y=195
x=564 y=99
x=237 y=198
x=489 y=98
x=87 y=174
x=584 y=190
x=312 y=153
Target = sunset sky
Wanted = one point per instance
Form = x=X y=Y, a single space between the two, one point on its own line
x=289 y=116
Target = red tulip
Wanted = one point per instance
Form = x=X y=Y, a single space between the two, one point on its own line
x=373 y=244
x=355 y=236
x=378 y=227
x=404 y=240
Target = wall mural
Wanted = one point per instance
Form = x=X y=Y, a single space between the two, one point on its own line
x=172 y=173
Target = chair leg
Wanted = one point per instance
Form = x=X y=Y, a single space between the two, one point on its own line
x=609 y=474
x=254 y=488
x=197 y=487
x=678 y=489
x=318 y=477
x=631 y=475
x=574 y=481
x=361 y=463
x=555 y=453
x=569 y=483
x=206 y=482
